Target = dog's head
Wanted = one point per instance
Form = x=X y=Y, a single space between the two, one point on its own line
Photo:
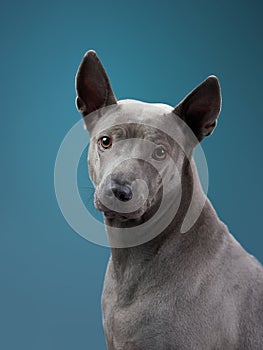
x=136 y=147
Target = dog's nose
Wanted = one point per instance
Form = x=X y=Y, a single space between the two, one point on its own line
x=122 y=191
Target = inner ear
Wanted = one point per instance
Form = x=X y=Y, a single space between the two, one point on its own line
x=92 y=85
x=201 y=107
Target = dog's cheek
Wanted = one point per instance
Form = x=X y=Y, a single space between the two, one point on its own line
x=154 y=188
x=91 y=168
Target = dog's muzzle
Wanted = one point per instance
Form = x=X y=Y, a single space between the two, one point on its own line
x=121 y=199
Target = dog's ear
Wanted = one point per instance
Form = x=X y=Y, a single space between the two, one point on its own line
x=201 y=107
x=92 y=85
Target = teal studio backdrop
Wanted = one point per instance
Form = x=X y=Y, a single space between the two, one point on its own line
x=51 y=278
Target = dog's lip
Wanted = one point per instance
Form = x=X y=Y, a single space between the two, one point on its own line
x=114 y=215
x=110 y=214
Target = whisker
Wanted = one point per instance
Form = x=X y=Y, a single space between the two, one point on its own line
x=87 y=187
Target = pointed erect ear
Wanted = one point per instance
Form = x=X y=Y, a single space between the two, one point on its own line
x=201 y=107
x=92 y=85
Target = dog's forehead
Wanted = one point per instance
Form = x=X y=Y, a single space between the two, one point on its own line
x=142 y=110
x=153 y=115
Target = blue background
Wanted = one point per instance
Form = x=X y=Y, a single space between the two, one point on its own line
x=51 y=278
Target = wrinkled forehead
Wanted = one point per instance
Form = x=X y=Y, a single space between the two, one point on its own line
x=147 y=115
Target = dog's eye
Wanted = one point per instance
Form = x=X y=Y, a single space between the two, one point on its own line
x=159 y=153
x=104 y=142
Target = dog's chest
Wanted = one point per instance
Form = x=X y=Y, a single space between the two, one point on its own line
x=132 y=315
x=132 y=325
x=140 y=315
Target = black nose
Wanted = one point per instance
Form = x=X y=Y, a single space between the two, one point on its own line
x=122 y=191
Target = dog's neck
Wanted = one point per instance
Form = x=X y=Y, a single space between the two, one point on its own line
x=141 y=254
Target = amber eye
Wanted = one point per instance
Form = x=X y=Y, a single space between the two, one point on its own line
x=104 y=142
x=159 y=153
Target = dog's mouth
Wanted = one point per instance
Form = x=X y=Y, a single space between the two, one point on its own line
x=123 y=217
x=136 y=217
x=119 y=216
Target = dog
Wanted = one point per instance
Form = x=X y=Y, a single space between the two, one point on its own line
x=194 y=288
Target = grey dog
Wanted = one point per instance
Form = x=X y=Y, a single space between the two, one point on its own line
x=197 y=290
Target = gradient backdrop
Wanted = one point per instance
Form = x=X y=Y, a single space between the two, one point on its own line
x=51 y=278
